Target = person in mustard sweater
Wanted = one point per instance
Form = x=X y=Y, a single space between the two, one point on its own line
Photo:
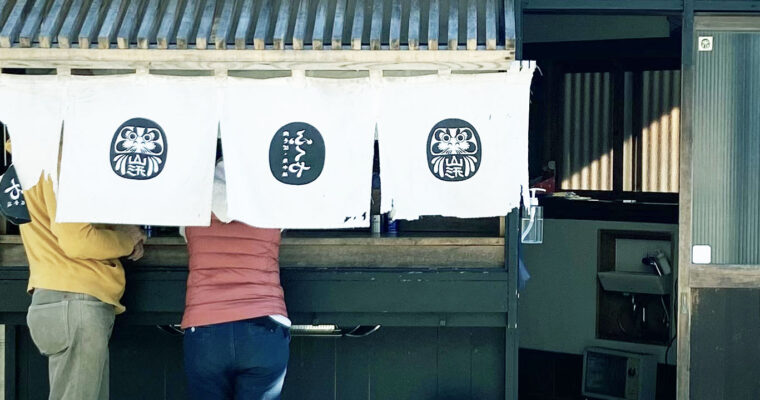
x=76 y=281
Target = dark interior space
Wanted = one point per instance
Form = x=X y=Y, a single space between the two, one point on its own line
x=557 y=376
x=607 y=86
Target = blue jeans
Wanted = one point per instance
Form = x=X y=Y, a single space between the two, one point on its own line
x=237 y=360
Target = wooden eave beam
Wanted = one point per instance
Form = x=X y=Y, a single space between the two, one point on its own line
x=491 y=60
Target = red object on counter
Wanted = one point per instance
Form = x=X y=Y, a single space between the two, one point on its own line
x=548 y=184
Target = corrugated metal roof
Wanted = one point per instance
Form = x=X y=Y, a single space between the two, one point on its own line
x=253 y=24
x=650 y=148
x=587 y=131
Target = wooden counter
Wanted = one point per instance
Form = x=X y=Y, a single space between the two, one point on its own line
x=340 y=252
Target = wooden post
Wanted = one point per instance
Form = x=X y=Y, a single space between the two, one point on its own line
x=511 y=354
x=683 y=345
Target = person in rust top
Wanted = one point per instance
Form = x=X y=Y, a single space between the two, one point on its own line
x=237 y=338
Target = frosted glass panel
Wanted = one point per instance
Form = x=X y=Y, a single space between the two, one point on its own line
x=726 y=148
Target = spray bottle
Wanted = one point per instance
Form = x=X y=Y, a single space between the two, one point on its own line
x=532 y=223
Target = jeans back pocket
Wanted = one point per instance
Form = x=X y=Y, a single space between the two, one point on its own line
x=49 y=327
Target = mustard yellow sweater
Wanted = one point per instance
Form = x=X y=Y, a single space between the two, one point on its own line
x=80 y=258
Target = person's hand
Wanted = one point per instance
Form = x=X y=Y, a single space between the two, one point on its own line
x=137 y=252
x=135 y=232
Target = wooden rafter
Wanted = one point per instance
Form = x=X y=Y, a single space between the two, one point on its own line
x=257 y=24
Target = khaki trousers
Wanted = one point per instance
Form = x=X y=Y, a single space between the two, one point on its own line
x=72 y=330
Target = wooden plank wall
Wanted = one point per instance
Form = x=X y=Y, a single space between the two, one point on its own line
x=393 y=363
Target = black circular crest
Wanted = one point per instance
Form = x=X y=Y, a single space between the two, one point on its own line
x=453 y=150
x=12 y=201
x=138 y=149
x=297 y=154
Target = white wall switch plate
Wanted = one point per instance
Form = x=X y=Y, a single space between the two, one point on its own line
x=701 y=254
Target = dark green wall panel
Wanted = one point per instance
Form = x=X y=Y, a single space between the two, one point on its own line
x=724 y=344
x=391 y=364
x=404 y=365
